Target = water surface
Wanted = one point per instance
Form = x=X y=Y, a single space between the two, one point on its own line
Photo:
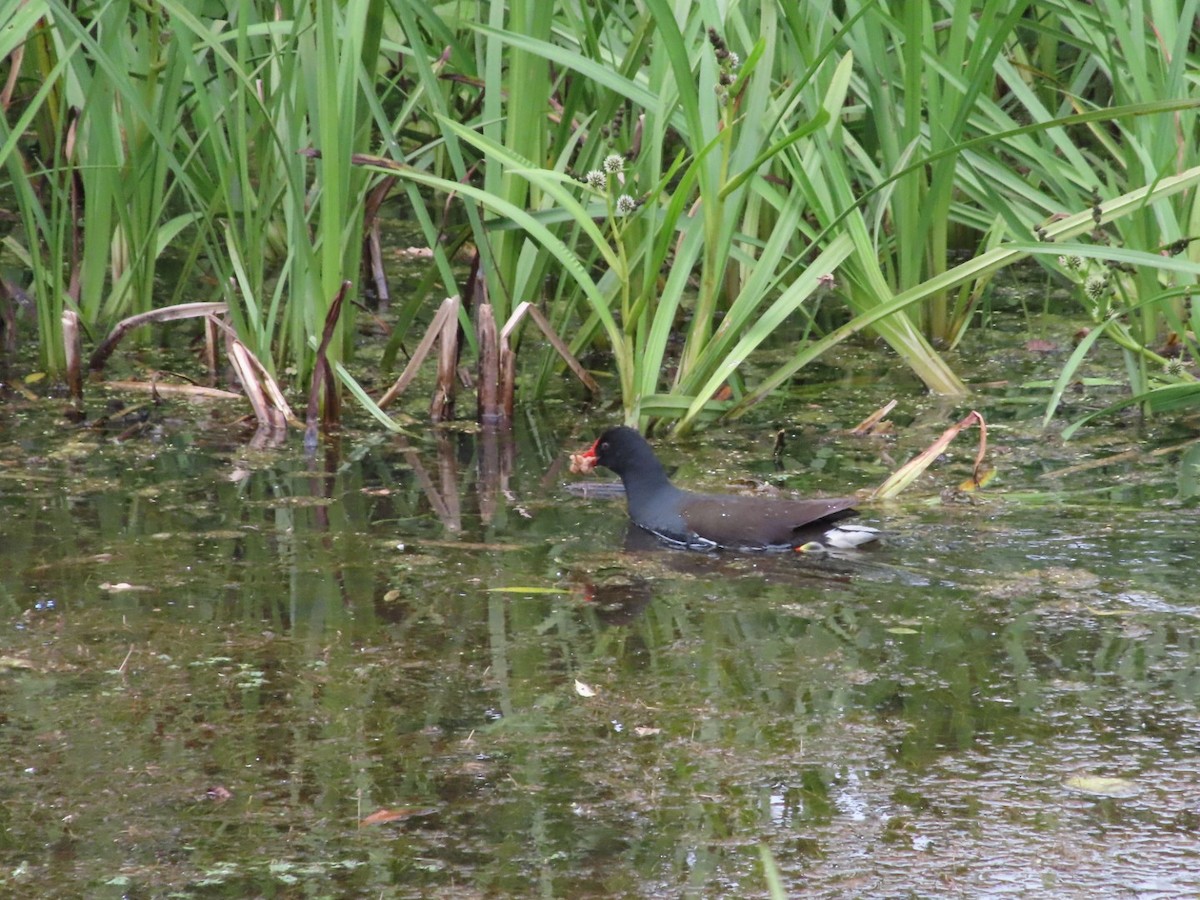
x=420 y=667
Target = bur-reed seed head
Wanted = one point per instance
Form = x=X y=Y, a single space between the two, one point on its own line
x=1096 y=286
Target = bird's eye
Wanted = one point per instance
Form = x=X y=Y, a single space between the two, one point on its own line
x=604 y=446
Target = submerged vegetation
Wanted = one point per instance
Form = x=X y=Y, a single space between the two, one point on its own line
x=668 y=186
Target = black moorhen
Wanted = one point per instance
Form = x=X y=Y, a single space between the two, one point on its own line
x=712 y=521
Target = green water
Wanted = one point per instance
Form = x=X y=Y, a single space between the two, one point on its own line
x=217 y=664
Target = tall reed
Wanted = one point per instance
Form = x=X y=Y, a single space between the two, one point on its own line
x=156 y=129
x=677 y=185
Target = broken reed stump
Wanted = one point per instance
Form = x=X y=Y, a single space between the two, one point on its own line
x=212 y=339
x=262 y=391
x=488 y=380
x=496 y=367
x=441 y=407
x=73 y=346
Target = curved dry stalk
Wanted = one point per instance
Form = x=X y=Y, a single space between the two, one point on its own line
x=167 y=314
x=187 y=391
x=527 y=308
x=871 y=422
x=445 y=319
x=262 y=390
x=907 y=473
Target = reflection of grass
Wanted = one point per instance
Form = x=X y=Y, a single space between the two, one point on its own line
x=771 y=874
x=244 y=675
x=219 y=874
x=249 y=678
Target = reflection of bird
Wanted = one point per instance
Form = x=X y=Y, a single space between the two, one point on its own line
x=618 y=601
x=711 y=521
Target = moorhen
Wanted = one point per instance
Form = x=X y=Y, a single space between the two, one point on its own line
x=714 y=521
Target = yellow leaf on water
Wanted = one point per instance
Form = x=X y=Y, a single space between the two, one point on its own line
x=970 y=484
x=398 y=814
x=1101 y=786
x=584 y=690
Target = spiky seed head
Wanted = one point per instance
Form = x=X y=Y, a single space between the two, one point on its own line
x=1175 y=366
x=596 y=180
x=626 y=205
x=614 y=163
x=1096 y=286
